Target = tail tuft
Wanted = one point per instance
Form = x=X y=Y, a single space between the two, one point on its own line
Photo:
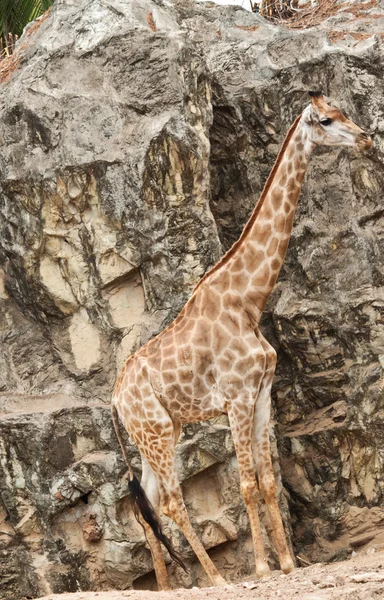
x=143 y=507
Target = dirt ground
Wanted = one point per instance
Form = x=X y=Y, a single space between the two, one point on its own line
x=360 y=578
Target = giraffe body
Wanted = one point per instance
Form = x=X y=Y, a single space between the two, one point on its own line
x=213 y=358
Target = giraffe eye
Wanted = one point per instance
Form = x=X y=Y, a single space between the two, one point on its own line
x=326 y=122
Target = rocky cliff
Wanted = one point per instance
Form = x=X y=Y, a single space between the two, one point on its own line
x=135 y=139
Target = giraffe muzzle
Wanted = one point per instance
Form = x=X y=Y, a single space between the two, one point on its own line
x=364 y=141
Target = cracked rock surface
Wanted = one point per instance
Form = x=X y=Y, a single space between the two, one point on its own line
x=135 y=138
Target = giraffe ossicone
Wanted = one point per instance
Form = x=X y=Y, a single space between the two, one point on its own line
x=213 y=358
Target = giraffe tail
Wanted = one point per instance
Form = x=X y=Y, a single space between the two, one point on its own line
x=116 y=425
x=141 y=505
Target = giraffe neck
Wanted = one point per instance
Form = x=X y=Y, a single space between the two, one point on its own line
x=265 y=239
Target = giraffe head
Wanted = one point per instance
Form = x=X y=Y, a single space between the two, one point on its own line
x=326 y=125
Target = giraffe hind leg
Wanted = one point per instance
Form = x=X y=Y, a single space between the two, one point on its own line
x=159 y=451
x=145 y=497
x=155 y=434
x=151 y=489
x=173 y=507
x=158 y=559
x=144 y=510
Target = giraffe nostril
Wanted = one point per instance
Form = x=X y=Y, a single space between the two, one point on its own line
x=365 y=140
x=365 y=137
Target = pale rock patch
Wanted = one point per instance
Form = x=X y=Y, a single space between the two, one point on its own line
x=85 y=341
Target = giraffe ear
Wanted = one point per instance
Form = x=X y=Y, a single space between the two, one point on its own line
x=316 y=94
x=311 y=114
x=318 y=101
x=317 y=98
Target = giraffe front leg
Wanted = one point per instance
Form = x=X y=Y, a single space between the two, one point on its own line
x=241 y=418
x=263 y=460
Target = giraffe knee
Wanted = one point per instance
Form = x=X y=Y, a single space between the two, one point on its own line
x=270 y=354
x=172 y=507
x=249 y=491
x=268 y=486
x=270 y=358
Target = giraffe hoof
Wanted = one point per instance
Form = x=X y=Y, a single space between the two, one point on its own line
x=287 y=566
x=263 y=570
x=219 y=581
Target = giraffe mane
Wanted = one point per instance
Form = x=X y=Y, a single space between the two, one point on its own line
x=256 y=210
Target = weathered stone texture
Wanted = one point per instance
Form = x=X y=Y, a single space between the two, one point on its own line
x=135 y=139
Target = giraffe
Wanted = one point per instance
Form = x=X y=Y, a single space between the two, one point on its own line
x=213 y=359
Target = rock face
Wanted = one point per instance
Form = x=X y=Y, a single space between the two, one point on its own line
x=135 y=139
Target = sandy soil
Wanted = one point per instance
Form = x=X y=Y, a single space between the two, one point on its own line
x=360 y=578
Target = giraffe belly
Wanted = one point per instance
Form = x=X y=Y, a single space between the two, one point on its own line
x=189 y=408
x=198 y=413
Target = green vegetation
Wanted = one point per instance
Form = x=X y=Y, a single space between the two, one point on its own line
x=14 y=16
